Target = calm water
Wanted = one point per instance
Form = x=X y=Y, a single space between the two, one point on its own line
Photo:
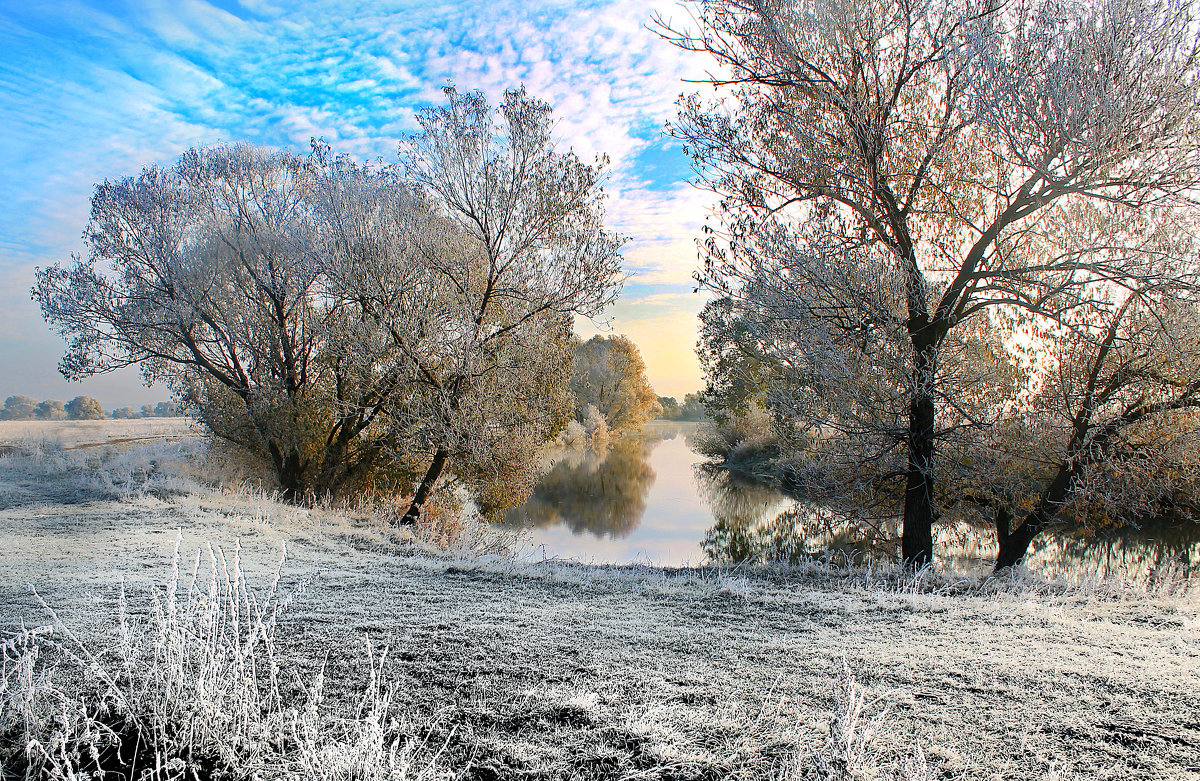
x=649 y=499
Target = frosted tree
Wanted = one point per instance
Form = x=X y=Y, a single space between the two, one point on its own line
x=84 y=408
x=212 y=276
x=893 y=176
x=608 y=373
x=50 y=409
x=481 y=327
x=18 y=408
x=342 y=321
x=1102 y=429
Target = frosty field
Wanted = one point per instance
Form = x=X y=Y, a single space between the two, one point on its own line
x=504 y=668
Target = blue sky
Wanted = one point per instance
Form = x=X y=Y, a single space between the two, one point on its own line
x=90 y=90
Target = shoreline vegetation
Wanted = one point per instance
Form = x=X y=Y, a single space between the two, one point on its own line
x=438 y=653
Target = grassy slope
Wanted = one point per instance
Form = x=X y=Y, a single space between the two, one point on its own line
x=549 y=671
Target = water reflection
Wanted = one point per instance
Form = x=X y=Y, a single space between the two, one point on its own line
x=652 y=498
x=601 y=493
x=745 y=530
x=755 y=523
x=1135 y=554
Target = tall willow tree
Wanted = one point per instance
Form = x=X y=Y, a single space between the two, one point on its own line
x=893 y=176
x=531 y=252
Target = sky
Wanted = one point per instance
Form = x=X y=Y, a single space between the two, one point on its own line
x=93 y=90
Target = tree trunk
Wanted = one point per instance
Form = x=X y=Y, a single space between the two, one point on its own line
x=289 y=471
x=1015 y=544
x=916 y=542
x=426 y=487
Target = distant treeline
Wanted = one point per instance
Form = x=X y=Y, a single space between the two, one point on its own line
x=78 y=408
x=692 y=408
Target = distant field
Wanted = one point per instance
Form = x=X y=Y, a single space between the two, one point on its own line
x=76 y=433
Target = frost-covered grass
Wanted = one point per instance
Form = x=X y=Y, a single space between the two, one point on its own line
x=198 y=686
x=194 y=689
x=502 y=668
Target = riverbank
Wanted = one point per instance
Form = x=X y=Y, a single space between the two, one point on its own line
x=513 y=669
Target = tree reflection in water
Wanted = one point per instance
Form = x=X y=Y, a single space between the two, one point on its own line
x=600 y=493
x=757 y=523
x=754 y=523
x=1148 y=554
x=611 y=495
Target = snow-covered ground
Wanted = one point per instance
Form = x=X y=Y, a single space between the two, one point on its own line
x=553 y=670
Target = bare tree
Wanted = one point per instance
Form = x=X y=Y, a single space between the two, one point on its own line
x=1102 y=429
x=214 y=281
x=892 y=172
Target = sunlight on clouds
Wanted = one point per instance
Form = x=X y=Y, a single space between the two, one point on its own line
x=663 y=227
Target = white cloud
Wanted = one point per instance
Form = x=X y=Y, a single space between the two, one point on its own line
x=664 y=299
x=663 y=227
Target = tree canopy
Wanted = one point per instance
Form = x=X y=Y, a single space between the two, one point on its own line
x=609 y=374
x=908 y=187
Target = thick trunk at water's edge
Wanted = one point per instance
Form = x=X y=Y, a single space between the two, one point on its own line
x=917 y=537
x=436 y=467
x=1014 y=545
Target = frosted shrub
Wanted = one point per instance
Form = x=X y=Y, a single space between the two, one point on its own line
x=574 y=436
x=590 y=433
x=742 y=437
x=596 y=426
x=39 y=721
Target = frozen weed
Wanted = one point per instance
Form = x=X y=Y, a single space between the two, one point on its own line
x=850 y=750
x=373 y=745
x=50 y=727
x=196 y=691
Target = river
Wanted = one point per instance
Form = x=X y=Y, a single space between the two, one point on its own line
x=650 y=499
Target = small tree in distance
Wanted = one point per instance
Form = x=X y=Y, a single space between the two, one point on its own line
x=50 y=410
x=84 y=408
x=692 y=409
x=608 y=373
x=18 y=408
